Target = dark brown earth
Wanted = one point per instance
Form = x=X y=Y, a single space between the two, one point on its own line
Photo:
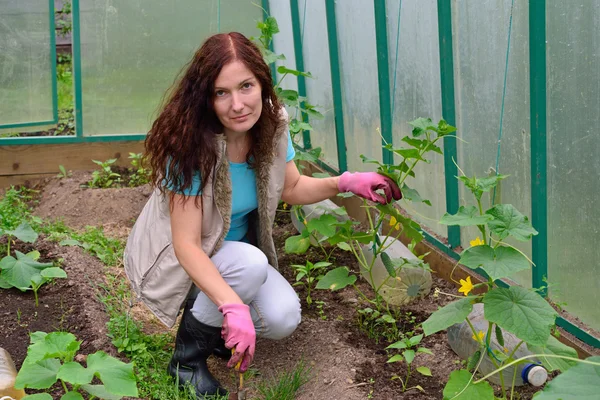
x=345 y=363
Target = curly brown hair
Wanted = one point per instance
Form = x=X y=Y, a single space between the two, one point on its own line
x=183 y=139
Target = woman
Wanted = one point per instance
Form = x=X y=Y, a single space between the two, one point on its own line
x=221 y=158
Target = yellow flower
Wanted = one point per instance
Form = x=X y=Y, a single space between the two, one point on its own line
x=466 y=286
x=479 y=337
x=395 y=224
x=505 y=350
x=285 y=206
x=476 y=242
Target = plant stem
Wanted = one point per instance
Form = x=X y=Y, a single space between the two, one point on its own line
x=35 y=295
x=534 y=356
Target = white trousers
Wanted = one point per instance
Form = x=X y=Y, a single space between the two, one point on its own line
x=274 y=305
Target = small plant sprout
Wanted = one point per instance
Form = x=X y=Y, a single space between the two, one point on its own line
x=105 y=177
x=307 y=276
x=63 y=172
x=140 y=175
x=409 y=348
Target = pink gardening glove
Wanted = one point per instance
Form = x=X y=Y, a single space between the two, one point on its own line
x=364 y=184
x=238 y=331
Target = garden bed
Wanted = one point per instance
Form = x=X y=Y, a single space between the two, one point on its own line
x=345 y=363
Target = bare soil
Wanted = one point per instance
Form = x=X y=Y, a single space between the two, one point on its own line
x=345 y=363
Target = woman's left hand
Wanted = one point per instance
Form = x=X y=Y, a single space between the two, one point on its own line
x=365 y=184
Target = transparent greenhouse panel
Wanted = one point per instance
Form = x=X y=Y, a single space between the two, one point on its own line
x=133 y=50
x=313 y=24
x=480 y=43
x=417 y=93
x=283 y=42
x=358 y=65
x=573 y=37
x=25 y=62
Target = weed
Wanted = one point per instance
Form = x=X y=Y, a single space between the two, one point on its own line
x=63 y=172
x=105 y=177
x=285 y=385
x=320 y=304
x=307 y=276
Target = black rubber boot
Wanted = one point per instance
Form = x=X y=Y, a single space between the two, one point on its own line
x=195 y=342
x=221 y=351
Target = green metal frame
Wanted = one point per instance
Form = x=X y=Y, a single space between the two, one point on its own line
x=444 y=8
x=383 y=78
x=539 y=190
x=336 y=84
x=53 y=78
x=266 y=7
x=299 y=55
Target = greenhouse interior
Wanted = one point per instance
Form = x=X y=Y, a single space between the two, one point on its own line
x=481 y=113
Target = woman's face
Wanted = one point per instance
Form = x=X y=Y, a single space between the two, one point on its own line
x=237 y=98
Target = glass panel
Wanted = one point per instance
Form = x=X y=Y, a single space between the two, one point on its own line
x=480 y=43
x=573 y=37
x=25 y=62
x=356 y=35
x=313 y=22
x=132 y=50
x=416 y=93
x=318 y=89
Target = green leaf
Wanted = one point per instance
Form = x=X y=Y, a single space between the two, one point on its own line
x=325 y=225
x=409 y=356
x=400 y=344
x=344 y=246
x=70 y=242
x=413 y=195
x=297 y=244
x=24 y=233
x=581 y=382
x=117 y=377
x=20 y=271
x=509 y=221
x=4 y=284
x=450 y=314
x=38 y=396
x=62 y=345
x=53 y=272
x=388 y=264
x=75 y=373
x=499 y=336
x=284 y=70
x=38 y=374
x=336 y=279
x=466 y=216
x=554 y=347
x=415 y=340
x=421 y=125
x=520 y=311
x=368 y=160
x=424 y=371
x=424 y=350
x=100 y=392
x=72 y=396
x=421 y=144
x=478 y=186
x=270 y=57
x=499 y=263
x=395 y=358
x=459 y=380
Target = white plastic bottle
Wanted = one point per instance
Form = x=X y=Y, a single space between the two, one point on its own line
x=313 y=211
x=460 y=338
x=8 y=375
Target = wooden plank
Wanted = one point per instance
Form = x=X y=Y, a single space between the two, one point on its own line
x=45 y=158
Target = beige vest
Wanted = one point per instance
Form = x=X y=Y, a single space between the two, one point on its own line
x=150 y=263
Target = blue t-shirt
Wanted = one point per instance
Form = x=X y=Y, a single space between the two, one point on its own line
x=243 y=191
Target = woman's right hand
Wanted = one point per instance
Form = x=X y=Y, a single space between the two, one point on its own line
x=239 y=333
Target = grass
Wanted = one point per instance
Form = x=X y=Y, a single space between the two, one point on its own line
x=286 y=384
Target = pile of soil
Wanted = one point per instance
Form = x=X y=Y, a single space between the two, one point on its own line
x=345 y=363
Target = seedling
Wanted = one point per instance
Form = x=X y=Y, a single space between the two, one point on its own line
x=140 y=175
x=51 y=358
x=408 y=347
x=105 y=177
x=307 y=276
